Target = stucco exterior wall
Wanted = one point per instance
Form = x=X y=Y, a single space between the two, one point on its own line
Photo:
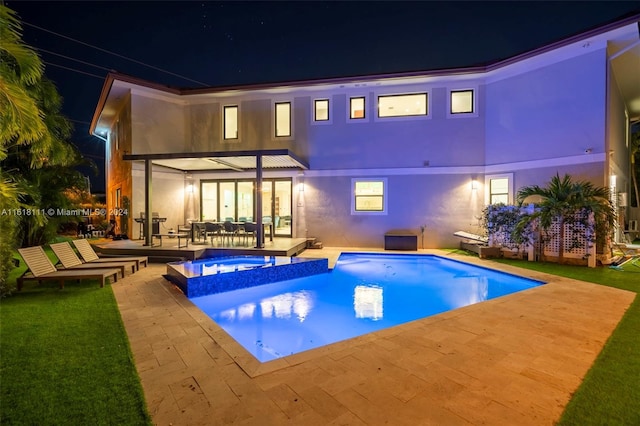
x=158 y=126
x=118 y=171
x=443 y=203
x=554 y=111
x=439 y=139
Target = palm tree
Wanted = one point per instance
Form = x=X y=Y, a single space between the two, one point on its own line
x=566 y=202
x=21 y=121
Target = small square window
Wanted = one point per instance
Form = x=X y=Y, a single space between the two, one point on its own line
x=321 y=110
x=357 y=108
x=461 y=101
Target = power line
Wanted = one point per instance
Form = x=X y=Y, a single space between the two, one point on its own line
x=79 y=121
x=73 y=69
x=73 y=59
x=112 y=53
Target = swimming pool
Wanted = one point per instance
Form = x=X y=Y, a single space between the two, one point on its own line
x=364 y=293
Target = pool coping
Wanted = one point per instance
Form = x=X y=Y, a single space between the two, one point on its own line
x=513 y=359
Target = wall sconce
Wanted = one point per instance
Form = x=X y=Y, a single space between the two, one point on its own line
x=474 y=184
x=190 y=188
x=301 y=187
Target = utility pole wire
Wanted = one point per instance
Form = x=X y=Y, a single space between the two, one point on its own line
x=115 y=54
x=75 y=70
x=73 y=59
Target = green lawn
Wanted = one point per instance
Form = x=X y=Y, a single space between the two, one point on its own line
x=610 y=393
x=65 y=358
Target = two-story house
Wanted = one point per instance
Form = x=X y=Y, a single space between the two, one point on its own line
x=346 y=160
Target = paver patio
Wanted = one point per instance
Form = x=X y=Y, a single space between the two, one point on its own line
x=512 y=360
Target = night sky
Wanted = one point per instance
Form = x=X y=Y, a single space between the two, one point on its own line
x=230 y=43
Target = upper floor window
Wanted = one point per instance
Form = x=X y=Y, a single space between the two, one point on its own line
x=321 y=110
x=356 y=107
x=231 y=122
x=402 y=105
x=283 y=119
x=461 y=102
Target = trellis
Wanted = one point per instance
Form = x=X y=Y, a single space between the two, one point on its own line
x=579 y=239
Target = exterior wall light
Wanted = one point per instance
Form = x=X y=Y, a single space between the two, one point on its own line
x=474 y=184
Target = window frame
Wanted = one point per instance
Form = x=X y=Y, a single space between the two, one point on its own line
x=315 y=111
x=510 y=187
x=474 y=102
x=365 y=116
x=390 y=117
x=385 y=197
x=275 y=121
x=224 y=122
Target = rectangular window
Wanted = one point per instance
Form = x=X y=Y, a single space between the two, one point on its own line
x=117 y=133
x=402 y=105
x=368 y=195
x=283 y=119
x=356 y=106
x=499 y=191
x=321 y=110
x=461 y=101
x=231 y=122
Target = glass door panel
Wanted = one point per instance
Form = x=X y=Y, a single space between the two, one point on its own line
x=267 y=191
x=227 y=201
x=245 y=201
x=209 y=191
x=282 y=208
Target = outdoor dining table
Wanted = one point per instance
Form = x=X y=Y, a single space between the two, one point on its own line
x=201 y=224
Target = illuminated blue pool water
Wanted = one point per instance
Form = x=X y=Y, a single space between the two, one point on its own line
x=363 y=293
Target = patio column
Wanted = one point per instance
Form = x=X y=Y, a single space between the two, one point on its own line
x=148 y=222
x=258 y=198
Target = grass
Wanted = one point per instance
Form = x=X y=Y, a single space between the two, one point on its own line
x=610 y=391
x=65 y=358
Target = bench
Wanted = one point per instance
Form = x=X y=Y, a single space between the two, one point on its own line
x=179 y=236
x=400 y=240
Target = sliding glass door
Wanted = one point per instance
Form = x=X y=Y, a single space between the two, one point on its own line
x=234 y=200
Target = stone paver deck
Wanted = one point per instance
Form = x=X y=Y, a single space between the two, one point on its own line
x=512 y=360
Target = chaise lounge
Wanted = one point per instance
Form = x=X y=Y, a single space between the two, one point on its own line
x=89 y=255
x=70 y=260
x=41 y=269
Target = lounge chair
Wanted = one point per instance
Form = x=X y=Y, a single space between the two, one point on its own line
x=89 y=255
x=41 y=269
x=630 y=255
x=70 y=260
x=472 y=238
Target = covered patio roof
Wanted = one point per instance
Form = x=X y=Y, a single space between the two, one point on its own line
x=274 y=159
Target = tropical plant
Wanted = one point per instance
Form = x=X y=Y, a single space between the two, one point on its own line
x=500 y=223
x=21 y=121
x=578 y=205
x=36 y=160
x=45 y=170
